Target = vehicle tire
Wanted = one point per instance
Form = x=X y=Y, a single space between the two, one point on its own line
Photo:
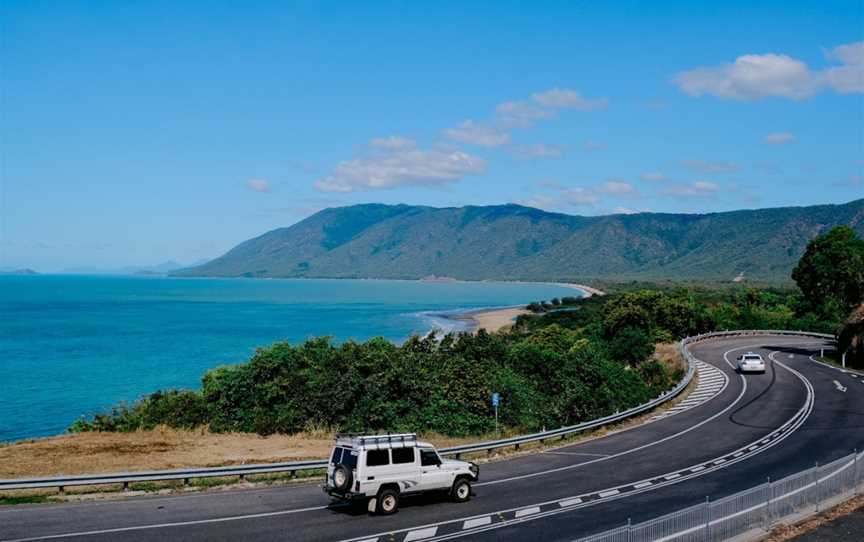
x=461 y=490
x=388 y=502
x=342 y=477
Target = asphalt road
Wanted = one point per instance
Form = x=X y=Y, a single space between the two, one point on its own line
x=758 y=426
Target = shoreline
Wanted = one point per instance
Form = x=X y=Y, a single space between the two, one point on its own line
x=497 y=318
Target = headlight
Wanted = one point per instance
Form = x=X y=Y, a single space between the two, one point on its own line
x=474 y=468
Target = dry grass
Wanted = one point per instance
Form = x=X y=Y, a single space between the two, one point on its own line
x=669 y=355
x=164 y=448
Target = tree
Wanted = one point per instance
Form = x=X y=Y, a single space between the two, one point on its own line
x=831 y=272
x=631 y=345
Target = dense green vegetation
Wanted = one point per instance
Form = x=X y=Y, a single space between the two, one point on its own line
x=572 y=359
x=510 y=242
x=547 y=377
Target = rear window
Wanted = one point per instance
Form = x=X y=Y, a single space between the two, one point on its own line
x=403 y=455
x=344 y=456
x=377 y=458
x=752 y=357
x=349 y=459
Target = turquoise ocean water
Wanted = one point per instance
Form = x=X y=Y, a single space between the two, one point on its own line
x=74 y=345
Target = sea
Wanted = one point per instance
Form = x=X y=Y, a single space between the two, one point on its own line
x=74 y=345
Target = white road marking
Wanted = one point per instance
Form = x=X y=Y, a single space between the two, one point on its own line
x=610 y=493
x=673 y=476
x=697 y=469
x=420 y=534
x=840 y=387
x=643 y=484
x=527 y=512
x=174 y=524
x=477 y=522
x=570 y=502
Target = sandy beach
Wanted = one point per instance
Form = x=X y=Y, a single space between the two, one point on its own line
x=503 y=317
x=496 y=319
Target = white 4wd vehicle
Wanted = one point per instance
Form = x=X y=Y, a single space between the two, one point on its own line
x=383 y=468
x=750 y=363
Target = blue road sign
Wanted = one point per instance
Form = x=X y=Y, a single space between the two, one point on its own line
x=496 y=398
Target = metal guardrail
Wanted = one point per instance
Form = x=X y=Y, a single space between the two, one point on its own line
x=750 y=514
x=292 y=467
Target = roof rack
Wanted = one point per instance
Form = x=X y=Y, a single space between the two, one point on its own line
x=401 y=440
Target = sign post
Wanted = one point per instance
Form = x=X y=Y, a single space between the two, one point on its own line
x=496 y=398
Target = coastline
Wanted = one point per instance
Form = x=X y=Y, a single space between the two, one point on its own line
x=497 y=318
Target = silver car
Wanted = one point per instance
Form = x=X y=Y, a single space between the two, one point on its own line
x=751 y=363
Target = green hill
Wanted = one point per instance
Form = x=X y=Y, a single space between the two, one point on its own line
x=516 y=242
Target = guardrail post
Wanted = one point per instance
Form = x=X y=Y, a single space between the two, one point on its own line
x=185 y=481
x=816 y=484
x=242 y=478
x=707 y=519
x=516 y=447
x=767 y=527
x=61 y=490
x=856 y=474
x=125 y=486
x=629 y=530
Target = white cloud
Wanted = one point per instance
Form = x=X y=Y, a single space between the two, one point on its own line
x=393 y=143
x=478 y=134
x=401 y=168
x=614 y=187
x=580 y=196
x=705 y=166
x=520 y=114
x=754 y=76
x=623 y=211
x=848 y=78
x=258 y=185
x=751 y=77
x=561 y=98
x=540 y=150
x=591 y=145
x=653 y=176
x=778 y=138
x=696 y=189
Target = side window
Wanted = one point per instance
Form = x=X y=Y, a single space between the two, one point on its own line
x=377 y=458
x=337 y=456
x=429 y=458
x=403 y=455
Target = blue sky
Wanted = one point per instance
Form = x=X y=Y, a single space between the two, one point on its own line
x=137 y=132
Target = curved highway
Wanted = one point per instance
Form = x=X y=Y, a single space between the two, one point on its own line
x=734 y=433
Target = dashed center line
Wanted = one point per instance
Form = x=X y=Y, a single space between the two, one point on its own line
x=527 y=511
x=420 y=534
x=477 y=522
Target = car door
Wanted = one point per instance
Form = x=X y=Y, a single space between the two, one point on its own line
x=432 y=475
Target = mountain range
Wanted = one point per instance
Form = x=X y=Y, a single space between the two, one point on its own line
x=513 y=242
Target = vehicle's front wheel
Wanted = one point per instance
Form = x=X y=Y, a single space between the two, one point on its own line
x=461 y=491
x=388 y=502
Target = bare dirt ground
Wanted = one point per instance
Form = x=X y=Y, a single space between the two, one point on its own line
x=841 y=523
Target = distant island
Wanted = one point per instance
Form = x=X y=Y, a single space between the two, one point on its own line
x=24 y=271
x=513 y=242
